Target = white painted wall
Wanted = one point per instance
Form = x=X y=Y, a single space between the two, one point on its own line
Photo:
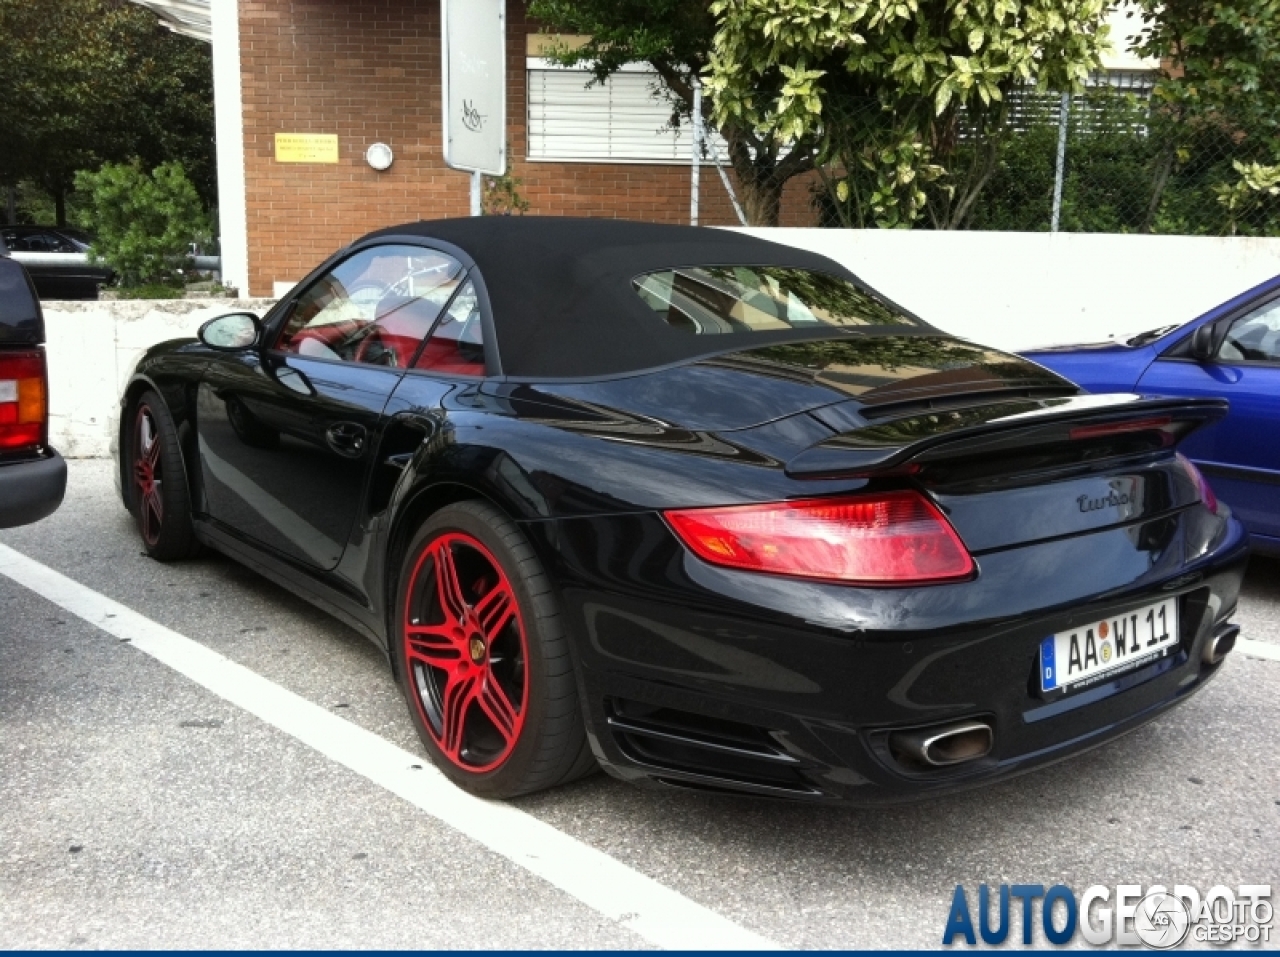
x=1020 y=290
x=93 y=348
x=1010 y=290
x=228 y=111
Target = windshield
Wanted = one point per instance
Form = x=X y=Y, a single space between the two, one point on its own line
x=709 y=300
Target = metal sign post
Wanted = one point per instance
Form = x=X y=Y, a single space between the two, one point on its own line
x=474 y=34
x=696 y=157
x=1059 y=172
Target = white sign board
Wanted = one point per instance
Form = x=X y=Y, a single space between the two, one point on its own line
x=475 y=85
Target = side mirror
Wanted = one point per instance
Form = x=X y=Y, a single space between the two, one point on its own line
x=1202 y=343
x=233 y=332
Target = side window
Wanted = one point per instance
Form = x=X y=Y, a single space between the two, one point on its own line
x=375 y=307
x=1255 y=337
x=18 y=307
x=456 y=345
x=45 y=243
x=57 y=244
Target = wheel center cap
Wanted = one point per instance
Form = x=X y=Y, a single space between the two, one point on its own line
x=477 y=649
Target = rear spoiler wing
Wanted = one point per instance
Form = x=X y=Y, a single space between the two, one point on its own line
x=1003 y=427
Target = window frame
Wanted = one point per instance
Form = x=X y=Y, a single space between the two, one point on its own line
x=683 y=139
x=1179 y=351
x=278 y=314
x=1270 y=305
x=65 y=246
x=465 y=279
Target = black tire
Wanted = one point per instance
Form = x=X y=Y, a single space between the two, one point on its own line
x=158 y=494
x=548 y=746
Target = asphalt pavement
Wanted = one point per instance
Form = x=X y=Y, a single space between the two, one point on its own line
x=142 y=807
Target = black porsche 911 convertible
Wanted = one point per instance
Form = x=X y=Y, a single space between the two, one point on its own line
x=700 y=509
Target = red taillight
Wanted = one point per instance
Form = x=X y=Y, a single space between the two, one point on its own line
x=894 y=538
x=23 y=400
x=1202 y=484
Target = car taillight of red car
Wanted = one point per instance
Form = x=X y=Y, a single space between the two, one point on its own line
x=24 y=405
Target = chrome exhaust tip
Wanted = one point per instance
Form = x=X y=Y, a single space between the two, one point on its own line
x=1220 y=645
x=944 y=745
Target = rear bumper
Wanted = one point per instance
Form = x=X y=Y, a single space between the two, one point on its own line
x=758 y=690
x=31 y=490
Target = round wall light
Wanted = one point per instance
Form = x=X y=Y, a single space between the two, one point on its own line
x=379 y=156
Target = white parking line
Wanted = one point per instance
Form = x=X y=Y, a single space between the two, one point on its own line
x=1258 y=649
x=656 y=913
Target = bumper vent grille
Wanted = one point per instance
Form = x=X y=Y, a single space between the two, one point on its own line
x=698 y=751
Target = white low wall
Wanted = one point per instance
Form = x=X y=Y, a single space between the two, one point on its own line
x=1009 y=290
x=92 y=349
x=1020 y=290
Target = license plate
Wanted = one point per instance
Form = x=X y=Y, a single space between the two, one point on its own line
x=1076 y=658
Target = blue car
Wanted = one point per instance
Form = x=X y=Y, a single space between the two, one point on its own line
x=1231 y=351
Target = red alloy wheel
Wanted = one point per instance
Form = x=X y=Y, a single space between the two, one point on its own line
x=147 y=475
x=465 y=646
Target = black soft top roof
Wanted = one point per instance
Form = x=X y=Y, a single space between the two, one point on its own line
x=561 y=295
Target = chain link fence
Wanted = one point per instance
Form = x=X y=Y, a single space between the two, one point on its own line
x=1109 y=160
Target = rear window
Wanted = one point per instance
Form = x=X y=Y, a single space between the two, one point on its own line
x=20 y=319
x=710 y=300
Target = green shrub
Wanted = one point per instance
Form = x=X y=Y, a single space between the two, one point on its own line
x=1019 y=195
x=152 y=290
x=143 y=223
x=1252 y=201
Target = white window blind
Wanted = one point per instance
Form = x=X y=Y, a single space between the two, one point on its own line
x=618 y=121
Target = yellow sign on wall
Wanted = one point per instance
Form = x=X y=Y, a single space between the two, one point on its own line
x=306 y=148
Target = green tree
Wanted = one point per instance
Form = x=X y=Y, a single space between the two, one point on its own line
x=143 y=222
x=675 y=37
x=1220 y=73
x=1253 y=200
x=896 y=88
x=92 y=81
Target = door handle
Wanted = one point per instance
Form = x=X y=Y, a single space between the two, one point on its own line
x=347 y=438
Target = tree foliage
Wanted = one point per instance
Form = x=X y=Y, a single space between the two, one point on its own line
x=1220 y=73
x=143 y=222
x=1253 y=200
x=675 y=37
x=90 y=81
x=1220 y=62
x=916 y=76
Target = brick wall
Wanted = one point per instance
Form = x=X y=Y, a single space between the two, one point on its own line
x=370 y=71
